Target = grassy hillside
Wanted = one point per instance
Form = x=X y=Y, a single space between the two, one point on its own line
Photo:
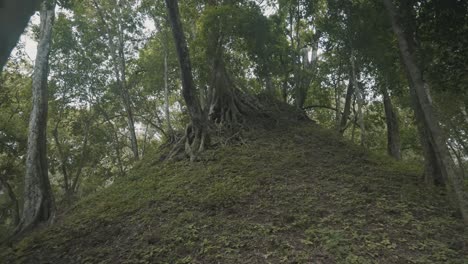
x=294 y=194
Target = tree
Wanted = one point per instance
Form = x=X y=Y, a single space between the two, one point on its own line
x=38 y=197
x=197 y=131
x=117 y=52
x=393 y=133
x=430 y=122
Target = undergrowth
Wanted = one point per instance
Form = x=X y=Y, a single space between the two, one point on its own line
x=294 y=194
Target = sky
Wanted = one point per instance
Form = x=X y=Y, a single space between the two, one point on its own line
x=30 y=45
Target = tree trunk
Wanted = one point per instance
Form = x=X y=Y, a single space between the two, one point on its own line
x=13 y=199
x=39 y=204
x=224 y=104
x=432 y=167
x=431 y=122
x=360 y=101
x=124 y=88
x=269 y=87
x=284 y=90
x=228 y=105
x=118 y=57
x=84 y=150
x=170 y=131
x=347 y=107
x=337 y=103
x=63 y=160
x=115 y=142
x=196 y=132
x=393 y=131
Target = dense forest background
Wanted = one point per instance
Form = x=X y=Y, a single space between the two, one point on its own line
x=121 y=81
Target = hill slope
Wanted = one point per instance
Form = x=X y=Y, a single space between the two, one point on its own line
x=286 y=195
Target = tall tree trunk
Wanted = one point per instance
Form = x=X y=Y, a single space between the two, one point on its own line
x=347 y=106
x=432 y=166
x=431 y=122
x=269 y=87
x=337 y=103
x=39 y=204
x=170 y=131
x=196 y=132
x=393 y=130
x=81 y=161
x=227 y=105
x=284 y=90
x=115 y=142
x=63 y=160
x=360 y=101
x=118 y=57
x=126 y=95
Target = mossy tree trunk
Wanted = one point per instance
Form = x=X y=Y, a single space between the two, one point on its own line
x=39 y=206
x=430 y=120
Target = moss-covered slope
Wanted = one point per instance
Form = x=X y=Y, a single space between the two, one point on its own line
x=289 y=195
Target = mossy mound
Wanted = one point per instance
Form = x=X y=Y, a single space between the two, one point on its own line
x=291 y=194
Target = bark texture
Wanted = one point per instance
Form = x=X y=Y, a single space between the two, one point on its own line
x=170 y=131
x=39 y=204
x=430 y=119
x=196 y=132
x=347 y=107
x=393 y=130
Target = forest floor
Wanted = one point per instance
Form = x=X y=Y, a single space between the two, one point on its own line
x=291 y=194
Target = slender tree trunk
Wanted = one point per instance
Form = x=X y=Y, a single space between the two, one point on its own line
x=393 y=131
x=459 y=158
x=284 y=91
x=196 y=134
x=116 y=143
x=118 y=57
x=145 y=138
x=355 y=118
x=63 y=160
x=81 y=161
x=360 y=101
x=269 y=88
x=431 y=121
x=432 y=166
x=39 y=204
x=337 y=103
x=166 y=89
x=347 y=106
x=126 y=95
